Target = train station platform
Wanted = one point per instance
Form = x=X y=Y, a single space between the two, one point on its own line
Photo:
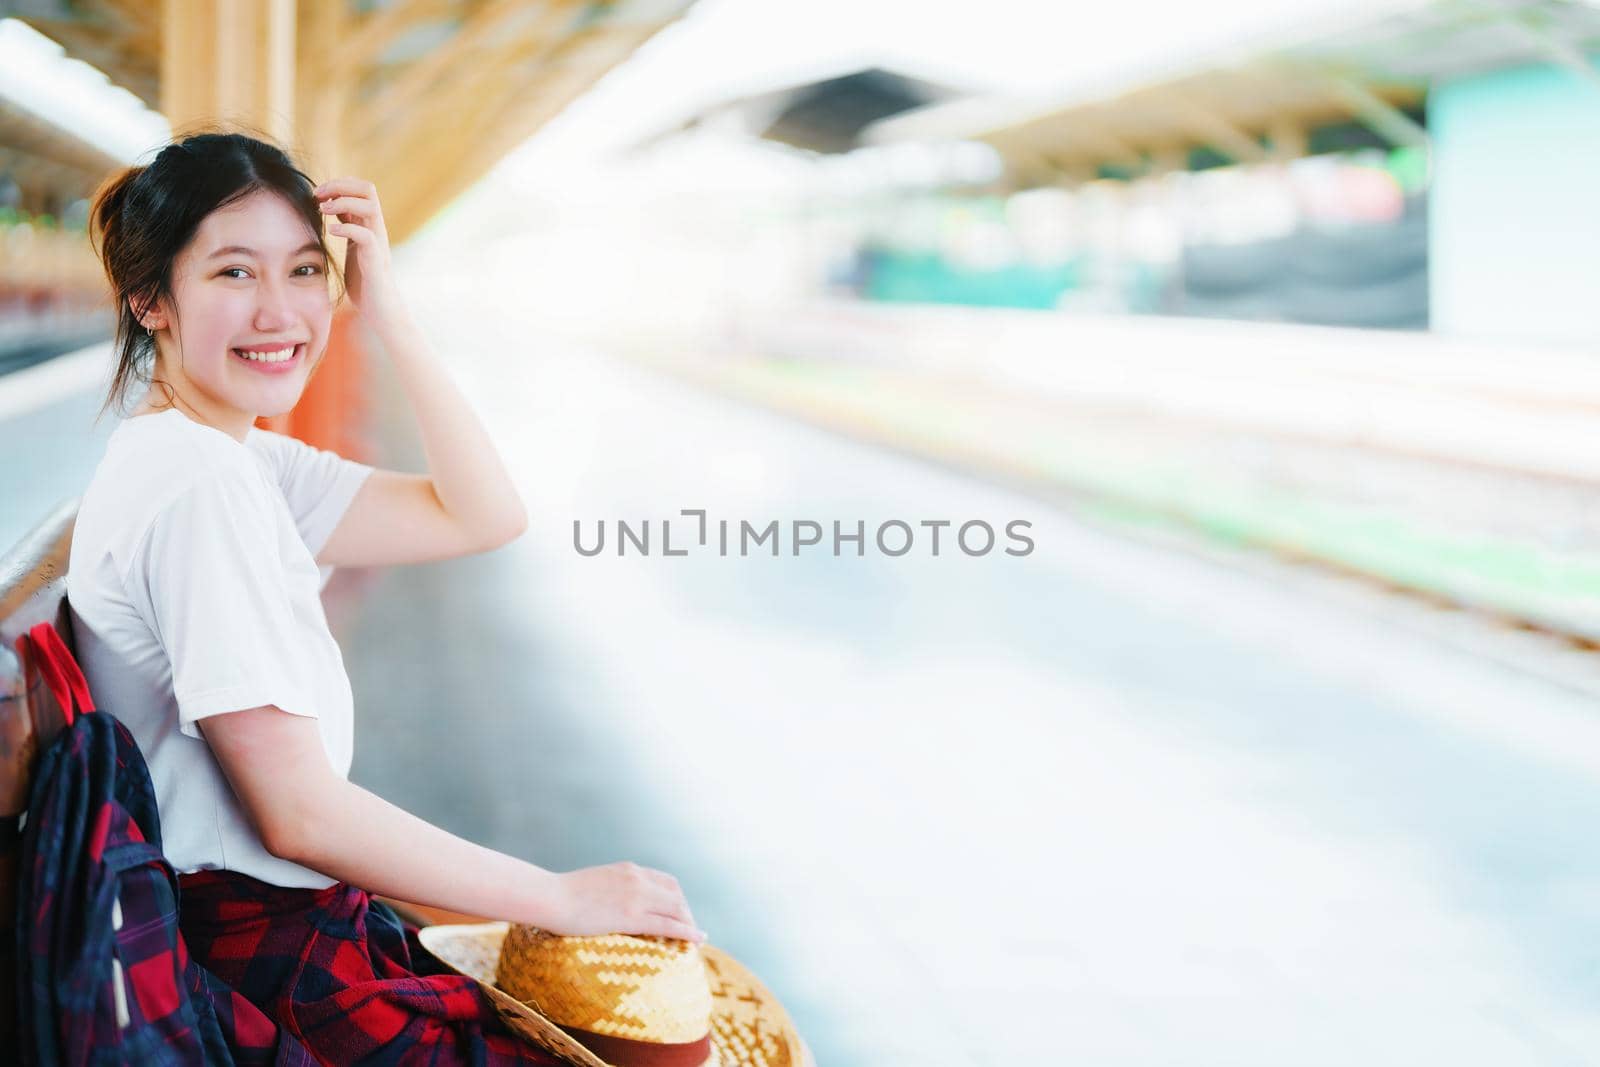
x=1455 y=471
x=1133 y=799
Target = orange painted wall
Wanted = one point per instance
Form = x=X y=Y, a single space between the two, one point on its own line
x=333 y=411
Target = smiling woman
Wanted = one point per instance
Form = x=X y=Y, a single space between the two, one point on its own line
x=194 y=585
x=239 y=250
x=261 y=308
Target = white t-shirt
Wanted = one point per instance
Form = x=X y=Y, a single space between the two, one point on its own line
x=195 y=591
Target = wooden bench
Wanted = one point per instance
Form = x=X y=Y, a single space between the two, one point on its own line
x=33 y=589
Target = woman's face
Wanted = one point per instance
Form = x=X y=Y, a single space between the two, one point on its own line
x=254 y=277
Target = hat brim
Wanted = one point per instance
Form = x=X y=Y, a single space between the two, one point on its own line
x=748 y=1024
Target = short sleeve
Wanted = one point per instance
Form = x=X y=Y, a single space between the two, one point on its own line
x=212 y=576
x=317 y=483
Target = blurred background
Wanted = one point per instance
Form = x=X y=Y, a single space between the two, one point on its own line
x=1276 y=320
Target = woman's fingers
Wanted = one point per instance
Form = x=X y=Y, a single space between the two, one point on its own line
x=669 y=926
x=663 y=878
x=675 y=905
x=349 y=205
x=669 y=885
x=352 y=199
x=669 y=900
x=353 y=231
x=347 y=184
x=680 y=913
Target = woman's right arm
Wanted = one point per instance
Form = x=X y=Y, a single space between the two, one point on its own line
x=307 y=814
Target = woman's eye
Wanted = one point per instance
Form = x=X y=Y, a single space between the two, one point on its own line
x=312 y=267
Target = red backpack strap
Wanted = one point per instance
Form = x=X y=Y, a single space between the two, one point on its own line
x=60 y=671
x=28 y=651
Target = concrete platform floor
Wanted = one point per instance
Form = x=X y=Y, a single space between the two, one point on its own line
x=1106 y=803
x=1109 y=803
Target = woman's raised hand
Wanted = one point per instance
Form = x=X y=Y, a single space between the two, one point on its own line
x=368 y=268
x=621 y=898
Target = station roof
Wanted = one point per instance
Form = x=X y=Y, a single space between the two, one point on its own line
x=440 y=90
x=1334 y=85
x=824 y=114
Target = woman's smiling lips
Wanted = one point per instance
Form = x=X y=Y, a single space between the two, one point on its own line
x=280 y=367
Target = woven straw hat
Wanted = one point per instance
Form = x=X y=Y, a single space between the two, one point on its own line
x=621 y=1000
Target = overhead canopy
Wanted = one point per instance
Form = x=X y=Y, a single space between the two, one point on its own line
x=824 y=115
x=1337 y=86
x=421 y=96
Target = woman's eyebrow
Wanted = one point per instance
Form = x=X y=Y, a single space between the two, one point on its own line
x=241 y=250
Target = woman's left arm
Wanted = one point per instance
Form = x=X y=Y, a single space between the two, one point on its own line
x=467 y=502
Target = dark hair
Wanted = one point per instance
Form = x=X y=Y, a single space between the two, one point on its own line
x=143 y=216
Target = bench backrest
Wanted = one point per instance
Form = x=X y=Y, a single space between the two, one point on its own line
x=33 y=589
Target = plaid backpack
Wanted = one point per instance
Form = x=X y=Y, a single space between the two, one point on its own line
x=103 y=974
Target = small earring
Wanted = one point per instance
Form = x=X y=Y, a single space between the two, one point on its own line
x=148 y=332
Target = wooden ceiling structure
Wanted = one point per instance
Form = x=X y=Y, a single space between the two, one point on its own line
x=1264 y=102
x=422 y=97
x=1246 y=114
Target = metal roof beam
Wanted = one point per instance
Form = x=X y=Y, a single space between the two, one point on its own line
x=1376 y=113
x=1535 y=30
x=373 y=34
x=451 y=62
x=475 y=99
x=1216 y=130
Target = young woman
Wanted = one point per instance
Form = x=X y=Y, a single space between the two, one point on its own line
x=197 y=560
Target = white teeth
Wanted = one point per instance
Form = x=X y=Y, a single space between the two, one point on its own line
x=270 y=357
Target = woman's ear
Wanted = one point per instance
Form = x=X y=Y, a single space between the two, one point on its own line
x=151 y=318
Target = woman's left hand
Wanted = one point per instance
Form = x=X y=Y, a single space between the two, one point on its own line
x=368 y=269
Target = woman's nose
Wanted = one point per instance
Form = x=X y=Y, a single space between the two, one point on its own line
x=274 y=308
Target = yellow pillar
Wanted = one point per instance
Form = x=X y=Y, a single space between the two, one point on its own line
x=229 y=62
x=332 y=412
x=268 y=67
x=325 y=86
